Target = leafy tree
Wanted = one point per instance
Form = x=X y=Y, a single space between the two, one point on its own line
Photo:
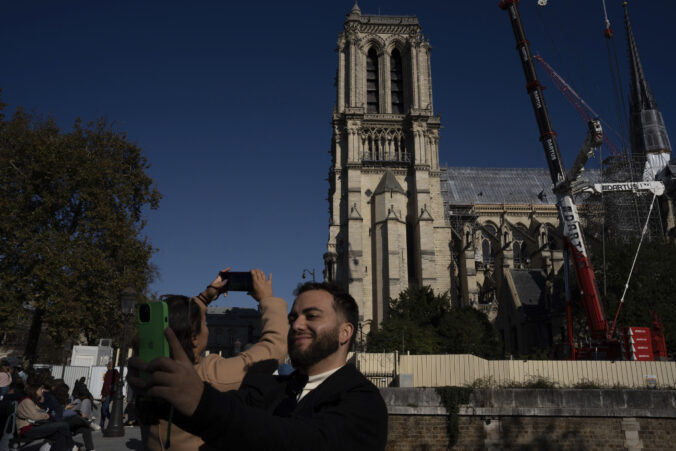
x=70 y=231
x=420 y=305
x=424 y=323
x=404 y=335
x=652 y=286
x=468 y=331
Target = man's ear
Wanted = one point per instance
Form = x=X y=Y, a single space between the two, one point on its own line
x=345 y=334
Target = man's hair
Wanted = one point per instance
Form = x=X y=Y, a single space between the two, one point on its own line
x=343 y=303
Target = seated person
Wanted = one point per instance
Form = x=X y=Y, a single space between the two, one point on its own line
x=56 y=400
x=5 y=378
x=324 y=404
x=187 y=317
x=32 y=422
x=15 y=394
x=82 y=399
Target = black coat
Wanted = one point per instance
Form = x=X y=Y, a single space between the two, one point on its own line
x=81 y=391
x=345 y=412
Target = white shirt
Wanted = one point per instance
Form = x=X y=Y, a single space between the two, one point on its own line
x=314 y=382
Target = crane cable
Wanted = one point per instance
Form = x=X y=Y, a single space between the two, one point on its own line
x=633 y=264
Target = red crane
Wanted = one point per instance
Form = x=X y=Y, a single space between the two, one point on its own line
x=583 y=109
x=572 y=231
x=603 y=345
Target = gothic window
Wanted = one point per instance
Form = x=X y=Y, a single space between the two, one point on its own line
x=372 y=82
x=520 y=255
x=487 y=251
x=519 y=246
x=397 y=82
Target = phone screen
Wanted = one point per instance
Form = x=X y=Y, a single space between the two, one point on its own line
x=239 y=281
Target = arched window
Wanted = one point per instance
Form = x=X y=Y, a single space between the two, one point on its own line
x=487 y=251
x=372 y=100
x=520 y=255
x=397 y=82
x=519 y=246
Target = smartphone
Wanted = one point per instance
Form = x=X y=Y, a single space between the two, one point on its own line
x=153 y=318
x=238 y=281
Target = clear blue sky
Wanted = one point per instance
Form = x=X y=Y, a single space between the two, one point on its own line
x=231 y=103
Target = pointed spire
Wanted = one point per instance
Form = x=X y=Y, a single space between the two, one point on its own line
x=355 y=9
x=648 y=133
x=641 y=95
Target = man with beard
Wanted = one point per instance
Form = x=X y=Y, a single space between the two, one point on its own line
x=324 y=404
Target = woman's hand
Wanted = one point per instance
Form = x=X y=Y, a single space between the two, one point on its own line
x=262 y=287
x=220 y=282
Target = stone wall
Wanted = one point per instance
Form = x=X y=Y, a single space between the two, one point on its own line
x=535 y=419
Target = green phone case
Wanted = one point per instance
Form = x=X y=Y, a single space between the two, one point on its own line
x=151 y=340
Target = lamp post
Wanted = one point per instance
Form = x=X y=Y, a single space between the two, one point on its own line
x=309 y=272
x=115 y=426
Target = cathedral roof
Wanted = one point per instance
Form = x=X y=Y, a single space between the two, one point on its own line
x=528 y=289
x=470 y=185
x=388 y=183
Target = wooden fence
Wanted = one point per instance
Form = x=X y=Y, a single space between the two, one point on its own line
x=465 y=369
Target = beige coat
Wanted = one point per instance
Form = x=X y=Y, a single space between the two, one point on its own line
x=27 y=413
x=227 y=373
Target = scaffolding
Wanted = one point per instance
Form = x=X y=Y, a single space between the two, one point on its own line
x=625 y=213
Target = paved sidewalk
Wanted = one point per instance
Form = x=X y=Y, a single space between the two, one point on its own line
x=131 y=440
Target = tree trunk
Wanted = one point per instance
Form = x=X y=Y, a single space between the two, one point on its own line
x=33 y=336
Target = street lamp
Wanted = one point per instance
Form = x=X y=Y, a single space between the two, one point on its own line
x=115 y=426
x=309 y=272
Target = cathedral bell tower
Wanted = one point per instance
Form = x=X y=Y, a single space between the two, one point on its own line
x=387 y=229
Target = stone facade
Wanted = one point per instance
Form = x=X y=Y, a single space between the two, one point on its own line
x=489 y=237
x=387 y=224
x=395 y=218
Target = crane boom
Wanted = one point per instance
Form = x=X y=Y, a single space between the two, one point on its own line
x=570 y=220
x=583 y=109
x=656 y=187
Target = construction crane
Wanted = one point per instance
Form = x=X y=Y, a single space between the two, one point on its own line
x=603 y=345
x=583 y=109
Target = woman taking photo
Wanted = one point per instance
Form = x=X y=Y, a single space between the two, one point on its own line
x=187 y=318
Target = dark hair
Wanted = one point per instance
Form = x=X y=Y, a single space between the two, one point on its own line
x=343 y=303
x=185 y=319
x=31 y=388
x=42 y=376
x=60 y=391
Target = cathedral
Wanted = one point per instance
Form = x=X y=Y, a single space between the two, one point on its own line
x=489 y=237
